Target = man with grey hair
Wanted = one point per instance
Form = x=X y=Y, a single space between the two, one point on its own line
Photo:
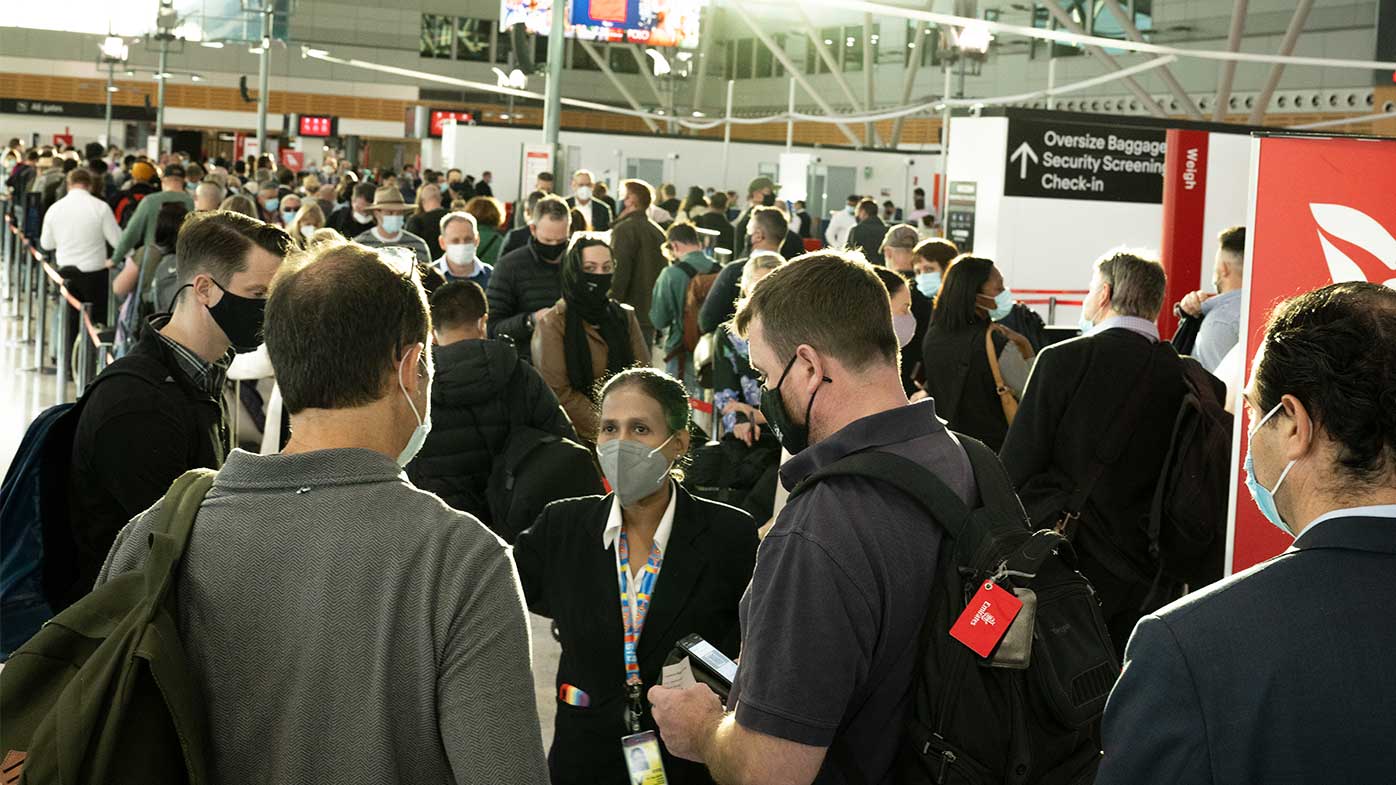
x=458 y=237
x=1092 y=434
x=528 y=281
x=598 y=215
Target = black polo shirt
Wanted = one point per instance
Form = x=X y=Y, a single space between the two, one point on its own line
x=830 y=622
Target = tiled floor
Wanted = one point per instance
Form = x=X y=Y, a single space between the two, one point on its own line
x=25 y=392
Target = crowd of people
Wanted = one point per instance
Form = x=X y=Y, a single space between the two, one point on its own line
x=465 y=420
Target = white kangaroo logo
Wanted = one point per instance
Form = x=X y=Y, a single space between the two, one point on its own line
x=1358 y=228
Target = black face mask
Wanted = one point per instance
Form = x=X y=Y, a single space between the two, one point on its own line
x=547 y=252
x=768 y=199
x=794 y=438
x=240 y=318
x=595 y=289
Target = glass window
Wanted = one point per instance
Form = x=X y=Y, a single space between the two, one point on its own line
x=473 y=37
x=829 y=36
x=436 y=35
x=782 y=41
x=580 y=60
x=503 y=47
x=744 y=57
x=852 y=48
x=764 y=60
x=621 y=60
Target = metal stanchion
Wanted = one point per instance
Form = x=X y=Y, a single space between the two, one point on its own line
x=41 y=327
x=25 y=293
x=84 y=349
x=1051 y=310
x=64 y=348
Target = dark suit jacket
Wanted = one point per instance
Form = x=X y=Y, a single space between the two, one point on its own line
x=726 y=233
x=1281 y=674
x=1076 y=391
x=867 y=236
x=569 y=577
x=517 y=238
x=600 y=213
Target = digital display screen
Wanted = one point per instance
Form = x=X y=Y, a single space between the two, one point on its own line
x=316 y=125
x=439 y=116
x=715 y=659
x=647 y=22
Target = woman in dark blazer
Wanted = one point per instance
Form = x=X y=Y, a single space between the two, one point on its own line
x=570 y=565
x=971 y=300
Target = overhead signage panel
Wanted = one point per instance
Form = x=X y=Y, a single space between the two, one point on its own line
x=1065 y=160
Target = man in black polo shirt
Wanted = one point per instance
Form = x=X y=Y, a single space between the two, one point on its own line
x=158 y=412
x=831 y=621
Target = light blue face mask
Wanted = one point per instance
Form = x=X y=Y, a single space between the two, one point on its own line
x=287 y=216
x=928 y=283
x=392 y=224
x=1003 y=305
x=1265 y=497
x=1085 y=324
x=272 y=204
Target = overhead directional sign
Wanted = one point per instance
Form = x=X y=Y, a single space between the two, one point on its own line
x=1066 y=160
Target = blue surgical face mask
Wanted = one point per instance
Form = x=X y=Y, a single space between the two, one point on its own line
x=850 y=209
x=287 y=216
x=392 y=224
x=1265 y=497
x=419 y=435
x=1003 y=305
x=928 y=283
x=272 y=204
x=1085 y=324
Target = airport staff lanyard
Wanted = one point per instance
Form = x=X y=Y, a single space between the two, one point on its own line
x=635 y=624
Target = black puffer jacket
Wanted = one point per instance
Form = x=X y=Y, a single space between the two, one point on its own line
x=521 y=284
x=481 y=390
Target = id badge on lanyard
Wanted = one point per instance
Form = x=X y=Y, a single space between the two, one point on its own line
x=642 y=759
x=634 y=624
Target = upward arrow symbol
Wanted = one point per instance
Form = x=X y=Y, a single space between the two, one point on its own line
x=1022 y=154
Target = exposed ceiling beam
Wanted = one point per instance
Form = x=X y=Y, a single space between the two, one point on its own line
x=1228 y=68
x=618 y=84
x=1070 y=24
x=1296 y=26
x=794 y=71
x=831 y=63
x=1174 y=87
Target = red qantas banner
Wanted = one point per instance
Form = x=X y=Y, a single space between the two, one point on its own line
x=292 y=159
x=1184 y=211
x=1320 y=213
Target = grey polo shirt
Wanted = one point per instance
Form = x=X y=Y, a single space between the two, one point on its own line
x=831 y=620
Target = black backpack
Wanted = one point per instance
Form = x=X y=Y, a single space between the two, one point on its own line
x=981 y=720
x=535 y=469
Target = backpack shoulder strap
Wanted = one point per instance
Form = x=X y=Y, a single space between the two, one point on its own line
x=170 y=533
x=687 y=268
x=907 y=476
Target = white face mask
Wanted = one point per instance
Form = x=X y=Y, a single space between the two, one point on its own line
x=363 y=218
x=460 y=253
x=307 y=231
x=419 y=435
x=583 y=193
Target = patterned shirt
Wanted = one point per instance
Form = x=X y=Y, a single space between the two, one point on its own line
x=207 y=377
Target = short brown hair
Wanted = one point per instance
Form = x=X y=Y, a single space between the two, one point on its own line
x=830 y=300
x=641 y=190
x=80 y=176
x=771 y=221
x=217 y=242
x=458 y=304
x=338 y=321
x=1136 y=284
x=937 y=249
x=682 y=233
x=902 y=236
x=867 y=207
x=486 y=211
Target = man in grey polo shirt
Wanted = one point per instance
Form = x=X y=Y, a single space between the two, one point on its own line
x=342 y=625
x=831 y=621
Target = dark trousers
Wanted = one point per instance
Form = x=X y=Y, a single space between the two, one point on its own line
x=88 y=288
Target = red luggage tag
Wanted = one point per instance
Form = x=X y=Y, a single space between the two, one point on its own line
x=986 y=619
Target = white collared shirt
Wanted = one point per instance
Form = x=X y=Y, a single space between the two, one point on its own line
x=1376 y=511
x=661 y=539
x=80 y=227
x=585 y=210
